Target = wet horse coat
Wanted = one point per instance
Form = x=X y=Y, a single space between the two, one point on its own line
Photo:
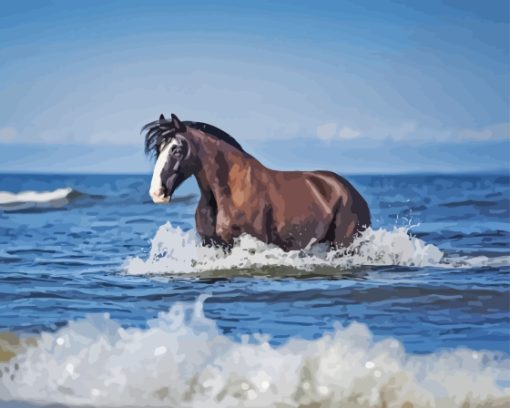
x=291 y=209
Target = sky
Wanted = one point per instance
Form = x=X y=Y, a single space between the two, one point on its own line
x=352 y=86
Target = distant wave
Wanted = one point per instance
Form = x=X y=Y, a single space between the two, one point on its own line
x=174 y=251
x=28 y=200
x=183 y=360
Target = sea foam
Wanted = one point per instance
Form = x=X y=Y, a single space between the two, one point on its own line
x=183 y=360
x=174 y=251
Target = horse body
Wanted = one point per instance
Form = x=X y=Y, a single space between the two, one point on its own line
x=239 y=195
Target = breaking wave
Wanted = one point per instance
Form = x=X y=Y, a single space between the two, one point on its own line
x=174 y=251
x=183 y=360
x=30 y=200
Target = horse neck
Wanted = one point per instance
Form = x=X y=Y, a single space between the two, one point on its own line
x=215 y=159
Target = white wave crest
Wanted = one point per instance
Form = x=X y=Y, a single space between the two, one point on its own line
x=183 y=360
x=37 y=199
x=174 y=251
x=7 y=197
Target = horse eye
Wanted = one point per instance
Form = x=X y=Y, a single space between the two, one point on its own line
x=176 y=150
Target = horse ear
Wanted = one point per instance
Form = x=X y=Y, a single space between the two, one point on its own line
x=161 y=117
x=178 y=125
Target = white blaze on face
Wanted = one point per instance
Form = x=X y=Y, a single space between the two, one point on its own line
x=157 y=191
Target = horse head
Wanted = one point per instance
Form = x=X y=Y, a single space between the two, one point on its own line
x=166 y=140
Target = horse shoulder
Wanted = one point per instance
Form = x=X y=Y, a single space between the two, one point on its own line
x=245 y=181
x=239 y=207
x=239 y=177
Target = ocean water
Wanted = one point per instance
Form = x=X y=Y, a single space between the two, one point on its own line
x=108 y=300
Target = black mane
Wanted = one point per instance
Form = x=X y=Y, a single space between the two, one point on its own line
x=161 y=131
x=214 y=131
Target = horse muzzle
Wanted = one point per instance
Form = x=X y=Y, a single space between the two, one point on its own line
x=160 y=196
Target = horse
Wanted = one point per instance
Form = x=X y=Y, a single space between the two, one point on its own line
x=290 y=209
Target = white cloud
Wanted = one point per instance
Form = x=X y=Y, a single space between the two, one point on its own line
x=7 y=135
x=412 y=132
x=492 y=132
x=329 y=131
x=348 y=133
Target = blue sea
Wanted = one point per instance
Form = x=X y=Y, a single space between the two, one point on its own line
x=107 y=299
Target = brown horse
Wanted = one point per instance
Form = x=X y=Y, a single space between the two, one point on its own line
x=292 y=209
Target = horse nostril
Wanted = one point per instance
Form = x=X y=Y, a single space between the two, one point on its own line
x=161 y=192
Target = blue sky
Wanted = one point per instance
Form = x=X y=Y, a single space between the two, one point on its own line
x=353 y=86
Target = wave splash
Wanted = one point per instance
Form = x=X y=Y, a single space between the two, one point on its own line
x=174 y=251
x=182 y=359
